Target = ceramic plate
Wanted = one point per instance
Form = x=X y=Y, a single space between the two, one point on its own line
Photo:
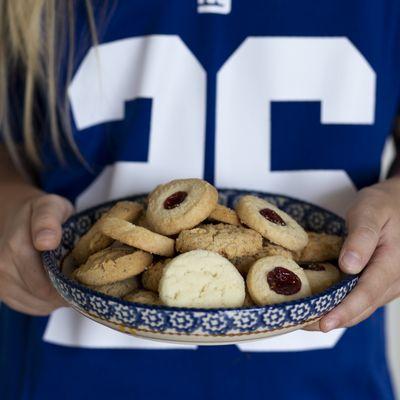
x=200 y=326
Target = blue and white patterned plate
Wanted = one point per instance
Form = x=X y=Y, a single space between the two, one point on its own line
x=199 y=326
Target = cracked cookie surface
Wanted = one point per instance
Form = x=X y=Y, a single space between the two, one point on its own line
x=203 y=279
x=111 y=265
x=228 y=240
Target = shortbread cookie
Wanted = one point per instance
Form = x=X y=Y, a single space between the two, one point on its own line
x=243 y=264
x=138 y=237
x=274 y=224
x=228 y=240
x=68 y=265
x=94 y=241
x=118 y=289
x=142 y=221
x=110 y=253
x=321 y=275
x=144 y=297
x=225 y=215
x=112 y=265
x=152 y=276
x=201 y=278
x=321 y=247
x=276 y=279
x=272 y=249
x=180 y=204
x=248 y=301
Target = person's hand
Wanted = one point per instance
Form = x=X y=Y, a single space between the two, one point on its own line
x=373 y=247
x=34 y=226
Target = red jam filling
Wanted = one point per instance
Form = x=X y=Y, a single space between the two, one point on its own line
x=174 y=200
x=283 y=281
x=313 y=267
x=272 y=216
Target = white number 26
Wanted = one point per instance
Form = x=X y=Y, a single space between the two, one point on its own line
x=262 y=70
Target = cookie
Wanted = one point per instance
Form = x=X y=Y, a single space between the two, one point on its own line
x=228 y=240
x=138 y=237
x=180 y=204
x=225 y=215
x=142 y=221
x=243 y=264
x=201 y=278
x=112 y=265
x=321 y=275
x=248 y=301
x=272 y=249
x=321 y=247
x=118 y=289
x=94 y=241
x=274 y=224
x=276 y=279
x=144 y=297
x=68 y=265
x=152 y=276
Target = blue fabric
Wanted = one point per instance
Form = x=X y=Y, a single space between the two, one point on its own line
x=372 y=27
x=31 y=369
x=356 y=368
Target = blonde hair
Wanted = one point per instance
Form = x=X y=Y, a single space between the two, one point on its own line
x=36 y=36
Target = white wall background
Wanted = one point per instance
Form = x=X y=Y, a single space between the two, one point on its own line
x=393 y=310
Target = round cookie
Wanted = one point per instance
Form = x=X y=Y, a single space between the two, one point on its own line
x=152 y=276
x=68 y=265
x=138 y=237
x=243 y=264
x=142 y=221
x=201 y=278
x=144 y=297
x=94 y=241
x=321 y=275
x=321 y=247
x=112 y=265
x=118 y=289
x=276 y=279
x=225 y=215
x=248 y=301
x=271 y=249
x=228 y=240
x=274 y=224
x=180 y=204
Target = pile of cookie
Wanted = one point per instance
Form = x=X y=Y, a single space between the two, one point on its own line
x=181 y=248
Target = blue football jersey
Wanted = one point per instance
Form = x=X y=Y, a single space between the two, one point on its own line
x=282 y=96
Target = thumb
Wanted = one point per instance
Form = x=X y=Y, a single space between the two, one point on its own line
x=364 y=224
x=48 y=213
